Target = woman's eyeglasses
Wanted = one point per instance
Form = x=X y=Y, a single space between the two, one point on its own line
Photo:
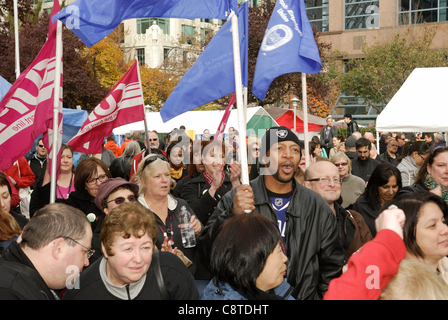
x=101 y=179
x=121 y=200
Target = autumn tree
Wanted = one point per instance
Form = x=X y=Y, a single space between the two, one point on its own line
x=106 y=59
x=386 y=65
x=157 y=86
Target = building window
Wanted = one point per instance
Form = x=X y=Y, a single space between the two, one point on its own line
x=317 y=12
x=205 y=33
x=252 y=3
x=188 y=33
x=146 y=23
x=361 y=14
x=141 y=56
x=419 y=11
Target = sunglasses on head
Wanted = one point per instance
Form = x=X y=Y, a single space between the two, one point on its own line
x=121 y=200
x=151 y=159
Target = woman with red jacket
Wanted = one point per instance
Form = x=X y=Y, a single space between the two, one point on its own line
x=375 y=264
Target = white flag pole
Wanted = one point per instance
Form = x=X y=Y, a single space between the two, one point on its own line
x=56 y=103
x=239 y=101
x=148 y=147
x=16 y=36
x=305 y=120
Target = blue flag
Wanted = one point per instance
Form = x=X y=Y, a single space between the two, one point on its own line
x=288 y=46
x=93 y=20
x=4 y=87
x=212 y=76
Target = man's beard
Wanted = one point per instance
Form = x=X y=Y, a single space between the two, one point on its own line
x=285 y=179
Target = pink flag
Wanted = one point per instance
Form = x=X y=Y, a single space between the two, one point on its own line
x=123 y=105
x=45 y=114
x=225 y=118
x=27 y=107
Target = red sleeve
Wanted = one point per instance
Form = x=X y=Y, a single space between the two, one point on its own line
x=27 y=175
x=370 y=270
x=15 y=198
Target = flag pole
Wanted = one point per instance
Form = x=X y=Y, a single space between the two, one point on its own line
x=148 y=147
x=239 y=101
x=16 y=36
x=56 y=103
x=305 y=120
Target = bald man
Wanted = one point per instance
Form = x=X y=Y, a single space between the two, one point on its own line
x=323 y=178
x=369 y=136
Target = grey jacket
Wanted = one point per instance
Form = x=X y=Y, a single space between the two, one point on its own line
x=314 y=251
x=408 y=169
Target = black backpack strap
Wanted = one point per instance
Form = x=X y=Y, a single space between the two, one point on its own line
x=159 y=277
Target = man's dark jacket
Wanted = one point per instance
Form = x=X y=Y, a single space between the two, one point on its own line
x=315 y=254
x=364 y=168
x=352 y=127
x=19 y=280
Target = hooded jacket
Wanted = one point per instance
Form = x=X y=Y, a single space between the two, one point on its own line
x=408 y=169
x=315 y=254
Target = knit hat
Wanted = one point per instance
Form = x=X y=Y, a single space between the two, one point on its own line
x=350 y=142
x=275 y=135
x=106 y=188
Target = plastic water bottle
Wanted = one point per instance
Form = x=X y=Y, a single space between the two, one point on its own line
x=187 y=233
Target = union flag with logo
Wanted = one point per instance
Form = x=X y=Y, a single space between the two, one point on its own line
x=26 y=111
x=123 y=105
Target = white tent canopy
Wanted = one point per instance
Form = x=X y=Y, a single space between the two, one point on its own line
x=420 y=105
x=192 y=120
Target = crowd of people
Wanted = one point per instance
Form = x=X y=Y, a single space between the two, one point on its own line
x=295 y=232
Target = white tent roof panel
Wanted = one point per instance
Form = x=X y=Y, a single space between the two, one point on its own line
x=192 y=120
x=420 y=105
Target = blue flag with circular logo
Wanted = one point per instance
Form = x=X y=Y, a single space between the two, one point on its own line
x=288 y=46
x=212 y=76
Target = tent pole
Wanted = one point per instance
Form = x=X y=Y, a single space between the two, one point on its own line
x=305 y=120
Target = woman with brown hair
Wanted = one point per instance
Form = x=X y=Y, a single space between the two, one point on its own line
x=6 y=200
x=204 y=192
x=128 y=269
x=433 y=174
x=9 y=230
x=64 y=185
x=89 y=175
x=195 y=168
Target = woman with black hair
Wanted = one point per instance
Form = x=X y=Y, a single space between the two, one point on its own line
x=412 y=157
x=383 y=185
x=248 y=261
x=425 y=232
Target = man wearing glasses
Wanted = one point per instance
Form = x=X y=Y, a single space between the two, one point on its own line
x=308 y=227
x=391 y=153
x=38 y=162
x=323 y=178
x=54 y=248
